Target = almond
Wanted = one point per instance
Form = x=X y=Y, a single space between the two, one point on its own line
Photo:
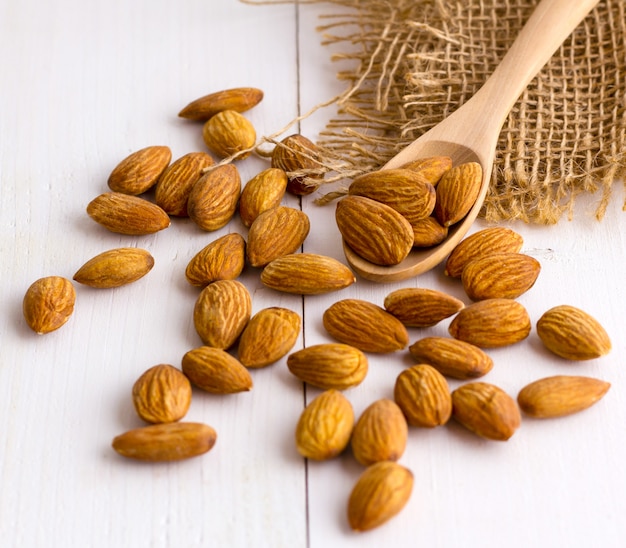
x=373 y=230
x=486 y=410
x=431 y=168
x=270 y=334
x=222 y=259
x=237 y=99
x=500 y=275
x=213 y=199
x=264 y=191
x=480 y=244
x=560 y=395
x=115 y=267
x=299 y=158
x=221 y=313
x=229 y=133
x=365 y=326
x=404 y=190
x=573 y=334
x=423 y=395
x=457 y=191
x=491 y=323
x=306 y=274
x=162 y=394
x=329 y=365
x=379 y=494
x=276 y=232
x=380 y=433
x=428 y=232
x=166 y=442
x=420 y=307
x=324 y=427
x=451 y=357
x=48 y=304
x=175 y=184
x=140 y=171
x=215 y=370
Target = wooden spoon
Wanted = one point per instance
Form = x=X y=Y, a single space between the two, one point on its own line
x=471 y=132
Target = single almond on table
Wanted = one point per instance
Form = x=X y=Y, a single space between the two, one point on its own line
x=457 y=192
x=213 y=199
x=174 y=186
x=270 y=334
x=166 y=442
x=329 y=365
x=162 y=394
x=431 y=168
x=139 y=172
x=500 y=275
x=379 y=494
x=237 y=99
x=48 y=303
x=221 y=313
x=560 y=395
x=215 y=370
x=491 y=323
x=306 y=274
x=486 y=410
x=126 y=214
x=373 y=230
x=423 y=395
x=276 y=232
x=222 y=259
x=299 y=158
x=572 y=333
x=380 y=434
x=264 y=191
x=421 y=307
x=452 y=357
x=324 y=427
x=365 y=326
x=481 y=244
x=115 y=268
x=428 y=232
x=229 y=133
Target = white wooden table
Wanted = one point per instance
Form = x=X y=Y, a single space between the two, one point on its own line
x=86 y=83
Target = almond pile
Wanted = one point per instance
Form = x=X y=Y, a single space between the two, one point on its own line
x=408 y=207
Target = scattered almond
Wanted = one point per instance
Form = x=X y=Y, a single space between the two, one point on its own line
x=115 y=268
x=48 y=304
x=298 y=157
x=264 y=191
x=139 y=172
x=237 y=99
x=420 y=307
x=215 y=370
x=229 y=133
x=222 y=259
x=452 y=357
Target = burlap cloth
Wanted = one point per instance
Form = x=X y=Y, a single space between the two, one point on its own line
x=412 y=62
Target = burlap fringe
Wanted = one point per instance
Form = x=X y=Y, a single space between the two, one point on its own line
x=416 y=61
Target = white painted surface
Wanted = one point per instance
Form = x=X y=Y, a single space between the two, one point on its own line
x=85 y=84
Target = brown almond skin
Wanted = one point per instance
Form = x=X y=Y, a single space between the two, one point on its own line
x=329 y=365
x=560 y=395
x=500 y=275
x=162 y=394
x=428 y=232
x=365 y=326
x=166 y=442
x=213 y=199
x=486 y=410
x=452 y=357
x=115 y=267
x=222 y=259
x=276 y=232
x=373 y=230
x=139 y=172
x=237 y=99
x=379 y=494
x=480 y=244
x=424 y=396
x=48 y=304
x=221 y=313
x=264 y=191
x=324 y=427
x=215 y=370
x=229 y=133
x=306 y=274
x=174 y=186
x=294 y=154
x=573 y=334
x=270 y=334
x=380 y=434
x=125 y=214
x=491 y=323
x=457 y=191
x=421 y=307
x=431 y=168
